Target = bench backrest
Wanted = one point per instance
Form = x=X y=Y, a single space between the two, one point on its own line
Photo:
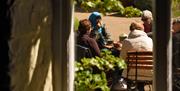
x=139 y=60
x=82 y=51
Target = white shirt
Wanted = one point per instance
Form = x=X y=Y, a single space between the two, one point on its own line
x=137 y=41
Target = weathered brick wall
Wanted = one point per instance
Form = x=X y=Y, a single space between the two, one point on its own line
x=30 y=45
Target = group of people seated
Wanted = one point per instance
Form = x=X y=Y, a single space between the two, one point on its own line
x=93 y=35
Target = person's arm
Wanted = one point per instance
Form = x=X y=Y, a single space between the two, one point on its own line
x=105 y=33
x=124 y=49
x=149 y=34
x=95 y=49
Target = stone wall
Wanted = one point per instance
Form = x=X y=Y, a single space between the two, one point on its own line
x=30 y=45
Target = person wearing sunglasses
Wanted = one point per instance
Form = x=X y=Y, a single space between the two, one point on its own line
x=147 y=19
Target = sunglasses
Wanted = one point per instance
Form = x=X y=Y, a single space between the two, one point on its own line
x=144 y=19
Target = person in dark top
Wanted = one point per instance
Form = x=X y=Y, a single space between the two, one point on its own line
x=84 y=38
x=176 y=53
x=176 y=42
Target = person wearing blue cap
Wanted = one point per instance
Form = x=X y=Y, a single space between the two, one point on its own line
x=99 y=31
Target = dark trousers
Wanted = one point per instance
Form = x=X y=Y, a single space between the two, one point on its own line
x=140 y=86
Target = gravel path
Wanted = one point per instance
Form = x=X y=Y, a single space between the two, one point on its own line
x=115 y=25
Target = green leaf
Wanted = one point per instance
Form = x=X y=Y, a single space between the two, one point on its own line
x=90 y=4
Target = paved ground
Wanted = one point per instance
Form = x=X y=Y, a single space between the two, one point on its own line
x=115 y=25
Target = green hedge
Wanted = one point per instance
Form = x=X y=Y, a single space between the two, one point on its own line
x=131 y=12
x=106 y=6
x=143 y=4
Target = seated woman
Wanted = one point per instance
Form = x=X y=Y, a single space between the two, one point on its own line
x=137 y=40
x=84 y=39
x=100 y=34
x=99 y=31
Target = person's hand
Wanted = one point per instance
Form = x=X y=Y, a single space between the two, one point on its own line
x=108 y=46
x=117 y=44
x=99 y=23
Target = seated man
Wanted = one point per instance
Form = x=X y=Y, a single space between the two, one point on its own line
x=147 y=22
x=84 y=38
x=176 y=53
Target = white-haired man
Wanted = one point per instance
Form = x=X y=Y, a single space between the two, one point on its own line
x=147 y=19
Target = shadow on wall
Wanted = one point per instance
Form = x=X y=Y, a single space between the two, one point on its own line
x=30 y=46
x=5 y=27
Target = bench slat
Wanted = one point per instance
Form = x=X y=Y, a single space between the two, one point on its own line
x=140 y=58
x=140 y=53
x=144 y=62
x=147 y=67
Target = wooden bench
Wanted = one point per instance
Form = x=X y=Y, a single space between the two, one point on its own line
x=139 y=60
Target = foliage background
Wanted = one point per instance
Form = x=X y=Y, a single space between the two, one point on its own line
x=175 y=8
x=107 y=6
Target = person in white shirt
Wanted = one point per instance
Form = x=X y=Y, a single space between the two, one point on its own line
x=137 y=40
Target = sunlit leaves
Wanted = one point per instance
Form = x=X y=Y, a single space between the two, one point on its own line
x=91 y=72
x=105 y=6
